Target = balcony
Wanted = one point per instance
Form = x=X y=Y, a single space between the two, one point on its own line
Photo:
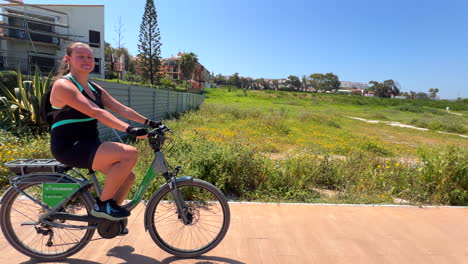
x=15 y=25
x=34 y=35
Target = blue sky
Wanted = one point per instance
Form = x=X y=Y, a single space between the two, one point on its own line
x=421 y=44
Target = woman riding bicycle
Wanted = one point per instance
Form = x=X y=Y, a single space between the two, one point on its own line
x=77 y=107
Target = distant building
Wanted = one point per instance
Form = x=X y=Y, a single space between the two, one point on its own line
x=352 y=85
x=39 y=34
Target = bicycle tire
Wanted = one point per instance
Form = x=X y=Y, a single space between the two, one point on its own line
x=15 y=238
x=160 y=234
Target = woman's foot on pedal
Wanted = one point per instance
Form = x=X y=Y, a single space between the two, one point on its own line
x=109 y=210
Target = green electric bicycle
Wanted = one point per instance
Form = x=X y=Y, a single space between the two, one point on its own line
x=45 y=213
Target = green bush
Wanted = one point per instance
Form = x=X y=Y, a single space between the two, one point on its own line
x=25 y=147
x=444 y=176
x=9 y=79
x=446 y=125
x=234 y=168
x=168 y=83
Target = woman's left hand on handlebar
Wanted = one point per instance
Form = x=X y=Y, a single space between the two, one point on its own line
x=152 y=123
x=139 y=132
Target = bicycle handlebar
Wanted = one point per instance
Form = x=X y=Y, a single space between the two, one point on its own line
x=157 y=136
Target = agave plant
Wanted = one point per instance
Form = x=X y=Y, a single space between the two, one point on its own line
x=21 y=109
x=6 y=113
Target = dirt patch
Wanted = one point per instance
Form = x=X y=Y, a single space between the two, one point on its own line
x=326 y=193
x=398 y=124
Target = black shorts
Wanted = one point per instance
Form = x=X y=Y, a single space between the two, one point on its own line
x=73 y=149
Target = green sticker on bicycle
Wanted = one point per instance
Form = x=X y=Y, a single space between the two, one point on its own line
x=54 y=193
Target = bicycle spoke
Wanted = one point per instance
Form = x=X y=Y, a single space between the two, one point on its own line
x=25 y=215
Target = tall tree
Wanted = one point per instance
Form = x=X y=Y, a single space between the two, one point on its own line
x=234 y=80
x=385 y=89
x=149 y=48
x=246 y=83
x=317 y=80
x=332 y=83
x=119 y=44
x=327 y=82
x=293 y=82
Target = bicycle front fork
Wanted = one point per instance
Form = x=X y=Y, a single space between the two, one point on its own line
x=182 y=209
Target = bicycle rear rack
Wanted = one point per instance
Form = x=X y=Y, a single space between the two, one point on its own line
x=25 y=166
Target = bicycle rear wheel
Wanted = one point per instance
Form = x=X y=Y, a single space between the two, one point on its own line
x=41 y=241
x=208 y=209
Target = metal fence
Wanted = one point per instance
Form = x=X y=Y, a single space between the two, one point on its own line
x=152 y=103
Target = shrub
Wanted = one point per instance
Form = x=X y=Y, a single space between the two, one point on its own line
x=168 y=83
x=25 y=147
x=444 y=175
x=10 y=80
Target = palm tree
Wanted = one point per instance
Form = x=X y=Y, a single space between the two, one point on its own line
x=433 y=92
x=188 y=61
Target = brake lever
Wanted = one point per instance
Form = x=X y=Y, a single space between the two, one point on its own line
x=164 y=128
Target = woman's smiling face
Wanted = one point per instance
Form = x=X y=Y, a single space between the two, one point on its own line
x=81 y=59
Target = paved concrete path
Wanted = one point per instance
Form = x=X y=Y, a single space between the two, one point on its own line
x=298 y=233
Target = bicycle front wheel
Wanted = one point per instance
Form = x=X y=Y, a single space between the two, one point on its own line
x=19 y=213
x=206 y=207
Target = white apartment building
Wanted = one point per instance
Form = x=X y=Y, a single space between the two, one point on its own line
x=39 y=34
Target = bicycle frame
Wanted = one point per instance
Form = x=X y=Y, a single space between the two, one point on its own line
x=157 y=166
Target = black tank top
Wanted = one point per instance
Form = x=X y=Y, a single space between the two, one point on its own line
x=67 y=116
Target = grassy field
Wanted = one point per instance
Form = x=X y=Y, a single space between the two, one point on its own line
x=301 y=147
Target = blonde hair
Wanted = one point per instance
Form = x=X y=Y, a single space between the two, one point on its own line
x=64 y=65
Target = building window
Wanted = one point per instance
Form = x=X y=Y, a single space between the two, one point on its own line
x=94 y=39
x=97 y=66
x=44 y=64
x=41 y=37
x=16 y=33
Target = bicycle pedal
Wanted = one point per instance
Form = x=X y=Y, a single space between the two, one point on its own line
x=123 y=232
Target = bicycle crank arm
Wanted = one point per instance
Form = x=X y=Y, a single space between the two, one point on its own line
x=29 y=223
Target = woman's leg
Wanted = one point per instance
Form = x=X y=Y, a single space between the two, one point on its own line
x=122 y=193
x=116 y=161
